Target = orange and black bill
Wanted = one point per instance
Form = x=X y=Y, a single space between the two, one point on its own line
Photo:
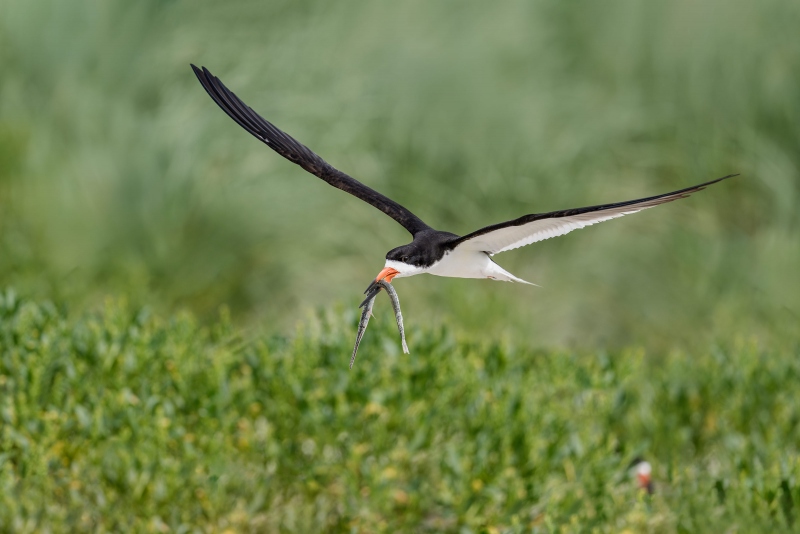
x=374 y=288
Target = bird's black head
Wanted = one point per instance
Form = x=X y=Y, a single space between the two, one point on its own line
x=427 y=248
x=408 y=254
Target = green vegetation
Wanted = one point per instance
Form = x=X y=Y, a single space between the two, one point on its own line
x=673 y=333
x=121 y=421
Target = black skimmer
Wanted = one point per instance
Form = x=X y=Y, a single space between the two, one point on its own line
x=643 y=471
x=432 y=251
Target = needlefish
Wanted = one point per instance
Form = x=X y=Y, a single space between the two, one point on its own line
x=366 y=313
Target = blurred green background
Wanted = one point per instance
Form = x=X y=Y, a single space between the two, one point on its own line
x=133 y=203
x=118 y=175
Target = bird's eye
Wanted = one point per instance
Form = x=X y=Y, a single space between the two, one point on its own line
x=404 y=259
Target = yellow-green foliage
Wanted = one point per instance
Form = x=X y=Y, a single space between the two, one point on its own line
x=121 y=421
x=119 y=175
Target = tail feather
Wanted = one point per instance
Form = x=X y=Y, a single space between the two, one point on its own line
x=505 y=276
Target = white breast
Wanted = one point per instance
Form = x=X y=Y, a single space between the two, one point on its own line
x=459 y=264
x=462 y=264
x=470 y=264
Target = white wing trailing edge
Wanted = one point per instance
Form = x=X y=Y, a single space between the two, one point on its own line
x=540 y=226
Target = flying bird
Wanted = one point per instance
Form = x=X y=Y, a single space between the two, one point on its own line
x=432 y=251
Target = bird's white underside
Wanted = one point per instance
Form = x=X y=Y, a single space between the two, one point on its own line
x=459 y=264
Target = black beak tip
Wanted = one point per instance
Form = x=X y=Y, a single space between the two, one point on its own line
x=370 y=296
x=373 y=290
x=371 y=286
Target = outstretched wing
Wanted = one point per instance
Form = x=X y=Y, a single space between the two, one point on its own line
x=296 y=152
x=540 y=226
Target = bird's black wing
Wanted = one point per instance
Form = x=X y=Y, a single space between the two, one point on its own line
x=540 y=226
x=296 y=152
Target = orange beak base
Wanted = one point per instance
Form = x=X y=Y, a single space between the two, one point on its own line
x=374 y=288
x=387 y=273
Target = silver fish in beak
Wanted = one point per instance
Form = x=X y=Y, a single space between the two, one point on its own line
x=366 y=313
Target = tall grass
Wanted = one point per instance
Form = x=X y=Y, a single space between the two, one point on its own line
x=118 y=174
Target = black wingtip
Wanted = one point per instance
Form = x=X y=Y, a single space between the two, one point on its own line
x=196 y=70
x=200 y=72
x=726 y=177
x=699 y=187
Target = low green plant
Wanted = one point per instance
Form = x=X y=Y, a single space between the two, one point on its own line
x=118 y=175
x=118 y=420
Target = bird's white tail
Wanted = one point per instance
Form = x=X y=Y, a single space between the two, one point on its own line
x=498 y=273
